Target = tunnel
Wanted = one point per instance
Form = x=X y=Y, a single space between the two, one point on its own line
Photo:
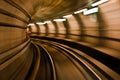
x=59 y=40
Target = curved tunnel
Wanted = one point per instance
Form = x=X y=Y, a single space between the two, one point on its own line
x=57 y=40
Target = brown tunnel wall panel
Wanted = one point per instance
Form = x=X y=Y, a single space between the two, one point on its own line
x=111 y=18
x=12 y=25
x=51 y=30
x=16 y=53
x=74 y=28
x=62 y=29
x=12 y=21
x=12 y=38
x=11 y=9
x=33 y=29
x=43 y=30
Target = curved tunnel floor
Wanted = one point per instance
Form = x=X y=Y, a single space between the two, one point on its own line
x=60 y=62
x=64 y=68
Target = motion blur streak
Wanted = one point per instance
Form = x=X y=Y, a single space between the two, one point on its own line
x=54 y=40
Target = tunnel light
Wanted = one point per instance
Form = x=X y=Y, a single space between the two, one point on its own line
x=40 y=23
x=31 y=24
x=80 y=11
x=99 y=2
x=67 y=16
x=47 y=21
x=59 y=20
x=90 y=11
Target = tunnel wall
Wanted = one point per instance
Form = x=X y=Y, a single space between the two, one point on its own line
x=12 y=30
x=16 y=51
x=100 y=29
x=111 y=18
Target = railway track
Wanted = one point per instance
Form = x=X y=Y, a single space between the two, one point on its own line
x=61 y=62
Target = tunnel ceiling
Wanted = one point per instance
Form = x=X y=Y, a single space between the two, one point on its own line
x=50 y=9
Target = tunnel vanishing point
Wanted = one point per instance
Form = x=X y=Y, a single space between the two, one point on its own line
x=59 y=39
